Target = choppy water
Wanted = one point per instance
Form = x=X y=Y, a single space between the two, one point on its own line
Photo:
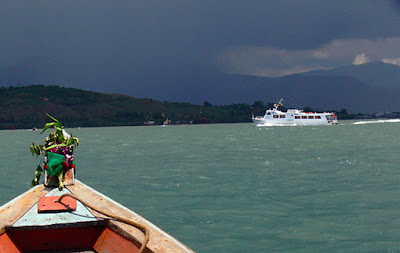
x=240 y=188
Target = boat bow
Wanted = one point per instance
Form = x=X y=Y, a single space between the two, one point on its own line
x=25 y=229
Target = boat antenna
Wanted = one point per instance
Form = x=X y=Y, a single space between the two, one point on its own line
x=278 y=104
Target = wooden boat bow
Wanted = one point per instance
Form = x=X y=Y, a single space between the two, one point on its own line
x=27 y=230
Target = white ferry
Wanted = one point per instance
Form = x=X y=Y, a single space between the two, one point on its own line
x=294 y=117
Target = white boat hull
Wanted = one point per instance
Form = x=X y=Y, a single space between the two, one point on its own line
x=278 y=122
x=294 y=117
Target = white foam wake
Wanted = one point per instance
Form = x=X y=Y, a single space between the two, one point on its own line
x=377 y=121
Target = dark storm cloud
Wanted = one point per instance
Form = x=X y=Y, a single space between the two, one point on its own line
x=137 y=46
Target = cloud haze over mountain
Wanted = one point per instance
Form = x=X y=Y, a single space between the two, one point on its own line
x=147 y=48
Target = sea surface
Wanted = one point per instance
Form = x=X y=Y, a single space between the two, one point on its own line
x=238 y=187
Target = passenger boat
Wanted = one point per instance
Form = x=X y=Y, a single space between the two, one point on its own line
x=293 y=117
x=45 y=219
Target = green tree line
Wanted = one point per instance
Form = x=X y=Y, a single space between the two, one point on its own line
x=25 y=107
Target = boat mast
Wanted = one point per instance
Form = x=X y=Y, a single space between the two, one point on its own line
x=276 y=106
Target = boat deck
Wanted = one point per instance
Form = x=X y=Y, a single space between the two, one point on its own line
x=21 y=219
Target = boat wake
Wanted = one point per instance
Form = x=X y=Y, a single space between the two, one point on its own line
x=377 y=121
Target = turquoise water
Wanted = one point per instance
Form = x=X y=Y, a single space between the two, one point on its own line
x=241 y=188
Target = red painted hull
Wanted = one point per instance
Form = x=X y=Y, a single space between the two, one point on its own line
x=97 y=236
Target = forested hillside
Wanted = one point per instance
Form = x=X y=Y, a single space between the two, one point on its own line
x=25 y=107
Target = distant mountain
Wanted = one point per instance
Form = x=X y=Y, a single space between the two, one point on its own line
x=366 y=88
x=323 y=91
x=375 y=74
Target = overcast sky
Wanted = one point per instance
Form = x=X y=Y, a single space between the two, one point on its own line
x=96 y=44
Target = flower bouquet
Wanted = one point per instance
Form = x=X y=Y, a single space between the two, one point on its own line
x=58 y=163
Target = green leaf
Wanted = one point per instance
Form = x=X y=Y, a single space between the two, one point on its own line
x=39 y=169
x=38 y=173
x=60 y=181
x=58 y=125
x=32 y=147
x=60 y=136
x=56 y=122
x=37 y=151
x=53 y=146
x=51 y=117
x=47 y=127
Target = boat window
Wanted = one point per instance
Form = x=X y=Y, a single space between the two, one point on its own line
x=304 y=117
x=318 y=117
x=276 y=116
x=311 y=117
x=268 y=113
x=297 y=117
x=281 y=116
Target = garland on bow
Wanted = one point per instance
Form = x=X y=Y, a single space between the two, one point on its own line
x=57 y=151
